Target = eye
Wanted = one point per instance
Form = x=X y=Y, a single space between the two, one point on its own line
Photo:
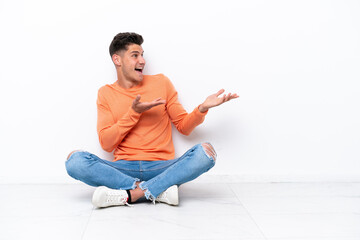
x=135 y=55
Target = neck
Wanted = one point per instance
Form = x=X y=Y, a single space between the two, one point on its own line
x=125 y=83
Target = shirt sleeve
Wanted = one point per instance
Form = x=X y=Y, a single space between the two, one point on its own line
x=184 y=122
x=110 y=132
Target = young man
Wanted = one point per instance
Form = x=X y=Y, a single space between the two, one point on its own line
x=134 y=121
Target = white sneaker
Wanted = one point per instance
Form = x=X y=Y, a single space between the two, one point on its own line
x=106 y=197
x=170 y=196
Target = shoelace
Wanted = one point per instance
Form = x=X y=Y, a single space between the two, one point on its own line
x=162 y=196
x=115 y=197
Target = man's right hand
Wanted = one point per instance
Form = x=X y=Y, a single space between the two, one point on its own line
x=141 y=107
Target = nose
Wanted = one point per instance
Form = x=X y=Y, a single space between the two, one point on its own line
x=142 y=60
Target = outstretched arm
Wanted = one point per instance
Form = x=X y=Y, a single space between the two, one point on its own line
x=214 y=100
x=141 y=107
x=112 y=133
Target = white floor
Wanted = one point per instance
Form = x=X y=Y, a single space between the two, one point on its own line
x=294 y=211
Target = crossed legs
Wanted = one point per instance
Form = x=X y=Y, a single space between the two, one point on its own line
x=94 y=171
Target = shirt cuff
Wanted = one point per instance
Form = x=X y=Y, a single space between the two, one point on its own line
x=133 y=114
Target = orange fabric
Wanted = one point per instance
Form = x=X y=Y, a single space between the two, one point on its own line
x=145 y=136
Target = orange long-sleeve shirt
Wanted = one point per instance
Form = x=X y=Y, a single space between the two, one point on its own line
x=147 y=135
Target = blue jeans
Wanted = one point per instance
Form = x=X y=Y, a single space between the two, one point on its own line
x=155 y=176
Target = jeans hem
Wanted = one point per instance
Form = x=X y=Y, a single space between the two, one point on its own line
x=148 y=194
x=134 y=184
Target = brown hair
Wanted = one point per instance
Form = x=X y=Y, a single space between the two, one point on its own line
x=122 y=40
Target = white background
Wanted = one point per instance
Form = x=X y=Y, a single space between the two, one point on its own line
x=295 y=65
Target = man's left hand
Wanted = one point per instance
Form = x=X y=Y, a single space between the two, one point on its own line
x=214 y=100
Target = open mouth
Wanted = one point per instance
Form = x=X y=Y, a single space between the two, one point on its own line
x=139 y=70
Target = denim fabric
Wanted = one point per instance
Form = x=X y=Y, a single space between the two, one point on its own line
x=155 y=176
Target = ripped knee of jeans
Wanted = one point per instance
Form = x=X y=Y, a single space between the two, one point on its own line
x=72 y=153
x=209 y=150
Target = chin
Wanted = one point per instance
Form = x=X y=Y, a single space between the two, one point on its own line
x=140 y=79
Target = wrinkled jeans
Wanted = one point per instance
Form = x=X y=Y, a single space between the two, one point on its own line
x=155 y=176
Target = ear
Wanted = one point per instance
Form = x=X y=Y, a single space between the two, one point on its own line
x=116 y=59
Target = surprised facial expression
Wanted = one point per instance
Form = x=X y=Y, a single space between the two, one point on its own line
x=132 y=63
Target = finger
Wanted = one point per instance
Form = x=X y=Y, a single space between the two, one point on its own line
x=156 y=103
x=137 y=99
x=233 y=96
x=158 y=100
x=159 y=103
x=151 y=105
x=228 y=97
x=220 y=92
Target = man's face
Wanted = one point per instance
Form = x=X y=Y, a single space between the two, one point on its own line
x=132 y=63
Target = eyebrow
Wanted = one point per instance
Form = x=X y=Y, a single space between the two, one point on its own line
x=136 y=52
